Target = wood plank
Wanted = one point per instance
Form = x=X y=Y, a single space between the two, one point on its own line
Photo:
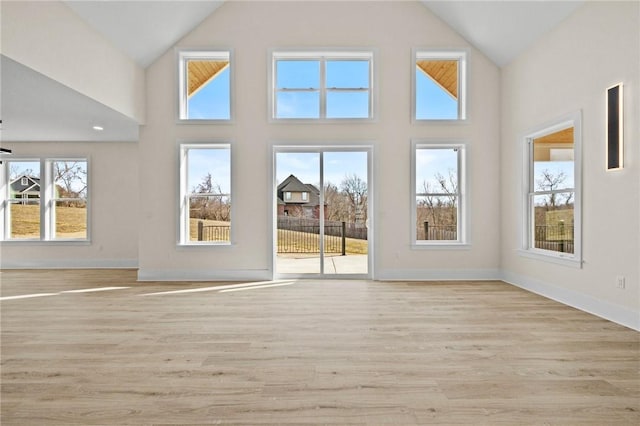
x=199 y=73
x=329 y=352
x=442 y=72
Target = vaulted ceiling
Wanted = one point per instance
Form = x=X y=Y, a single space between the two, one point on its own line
x=144 y=30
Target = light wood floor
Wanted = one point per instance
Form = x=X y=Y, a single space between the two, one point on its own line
x=306 y=352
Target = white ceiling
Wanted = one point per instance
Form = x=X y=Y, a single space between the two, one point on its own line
x=144 y=29
x=502 y=29
x=36 y=108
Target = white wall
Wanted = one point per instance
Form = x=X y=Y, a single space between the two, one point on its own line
x=50 y=38
x=113 y=198
x=569 y=69
x=251 y=29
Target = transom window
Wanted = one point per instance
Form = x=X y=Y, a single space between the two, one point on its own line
x=439 y=197
x=205 y=188
x=45 y=200
x=439 y=85
x=553 y=213
x=204 y=85
x=322 y=86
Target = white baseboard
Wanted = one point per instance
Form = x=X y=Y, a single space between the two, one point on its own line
x=615 y=313
x=437 y=274
x=145 y=274
x=70 y=264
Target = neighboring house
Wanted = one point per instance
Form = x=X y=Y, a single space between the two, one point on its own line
x=298 y=199
x=25 y=186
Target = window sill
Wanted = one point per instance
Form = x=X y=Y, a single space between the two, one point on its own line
x=551 y=257
x=322 y=120
x=440 y=121
x=215 y=121
x=46 y=242
x=204 y=245
x=440 y=246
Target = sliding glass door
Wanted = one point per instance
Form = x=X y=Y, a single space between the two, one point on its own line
x=322 y=211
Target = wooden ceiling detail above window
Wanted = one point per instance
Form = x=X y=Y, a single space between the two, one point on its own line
x=548 y=147
x=561 y=137
x=201 y=72
x=443 y=72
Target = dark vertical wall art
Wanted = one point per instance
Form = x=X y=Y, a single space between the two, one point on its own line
x=615 y=146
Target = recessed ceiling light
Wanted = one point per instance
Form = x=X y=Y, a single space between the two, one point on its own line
x=98 y=128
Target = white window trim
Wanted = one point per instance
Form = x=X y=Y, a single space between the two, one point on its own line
x=183 y=55
x=183 y=209
x=463 y=231
x=527 y=247
x=47 y=198
x=460 y=54
x=322 y=55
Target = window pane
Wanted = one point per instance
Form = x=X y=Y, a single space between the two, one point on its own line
x=437 y=171
x=24 y=188
x=347 y=74
x=24 y=219
x=70 y=179
x=553 y=161
x=437 y=218
x=208 y=194
x=436 y=90
x=71 y=219
x=298 y=105
x=212 y=100
x=297 y=74
x=347 y=104
x=208 y=89
x=553 y=217
x=209 y=218
x=209 y=171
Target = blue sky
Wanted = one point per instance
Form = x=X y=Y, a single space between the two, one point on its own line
x=433 y=161
x=306 y=74
x=212 y=100
x=306 y=166
x=214 y=161
x=432 y=101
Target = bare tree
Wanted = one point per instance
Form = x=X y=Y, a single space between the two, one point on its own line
x=549 y=181
x=15 y=171
x=337 y=207
x=355 y=190
x=212 y=203
x=70 y=178
x=440 y=209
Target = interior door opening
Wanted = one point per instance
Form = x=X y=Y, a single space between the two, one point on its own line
x=322 y=211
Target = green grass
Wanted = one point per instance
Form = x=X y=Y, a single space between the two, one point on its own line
x=71 y=222
x=302 y=242
x=294 y=242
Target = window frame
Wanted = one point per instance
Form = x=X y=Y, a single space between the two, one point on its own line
x=459 y=54
x=323 y=56
x=462 y=241
x=46 y=202
x=184 y=194
x=183 y=55
x=527 y=246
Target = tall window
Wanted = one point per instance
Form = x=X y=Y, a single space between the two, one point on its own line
x=68 y=206
x=51 y=206
x=318 y=86
x=439 y=85
x=205 y=85
x=438 y=188
x=552 y=190
x=205 y=187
